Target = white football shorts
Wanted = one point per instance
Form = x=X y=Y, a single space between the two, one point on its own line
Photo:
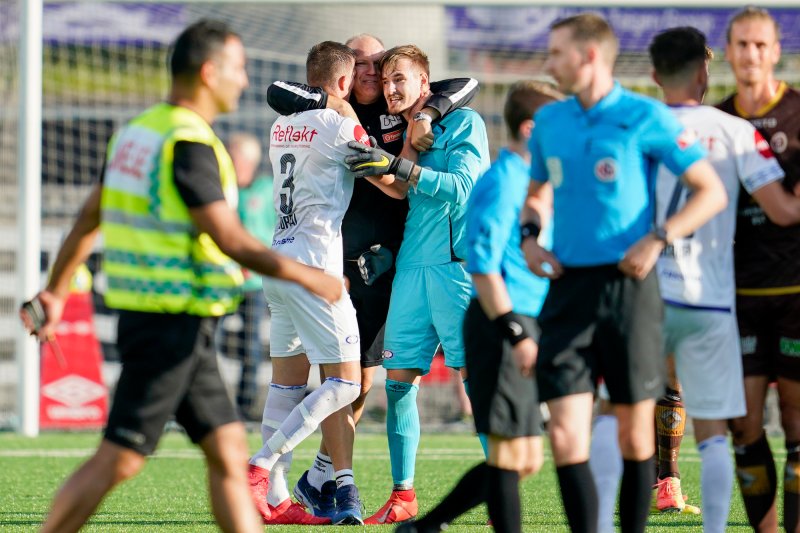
x=708 y=361
x=303 y=322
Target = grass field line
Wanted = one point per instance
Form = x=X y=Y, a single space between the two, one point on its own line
x=688 y=455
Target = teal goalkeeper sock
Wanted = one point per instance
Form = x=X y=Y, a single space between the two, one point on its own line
x=482 y=437
x=402 y=429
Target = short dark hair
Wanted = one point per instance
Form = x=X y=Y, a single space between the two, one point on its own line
x=524 y=99
x=752 y=13
x=327 y=61
x=196 y=44
x=590 y=26
x=676 y=52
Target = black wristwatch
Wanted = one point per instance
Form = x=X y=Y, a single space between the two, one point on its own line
x=529 y=229
x=660 y=233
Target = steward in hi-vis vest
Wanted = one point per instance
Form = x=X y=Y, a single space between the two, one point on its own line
x=155 y=258
x=166 y=206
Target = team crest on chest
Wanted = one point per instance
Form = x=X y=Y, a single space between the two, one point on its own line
x=606 y=169
x=779 y=142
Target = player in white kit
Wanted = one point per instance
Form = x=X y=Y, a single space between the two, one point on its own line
x=312 y=191
x=696 y=273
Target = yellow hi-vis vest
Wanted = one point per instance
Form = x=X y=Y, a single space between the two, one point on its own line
x=154 y=257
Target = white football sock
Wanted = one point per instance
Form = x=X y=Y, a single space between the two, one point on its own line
x=716 y=478
x=332 y=395
x=344 y=477
x=605 y=461
x=321 y=471
x=281 y=399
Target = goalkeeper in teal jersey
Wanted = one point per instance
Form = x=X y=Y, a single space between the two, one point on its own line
x=431 y=289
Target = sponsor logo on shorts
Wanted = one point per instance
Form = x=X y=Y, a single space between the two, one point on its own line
x=749 y=344
x=351 y=339
x=790 y=347
x=387 y=354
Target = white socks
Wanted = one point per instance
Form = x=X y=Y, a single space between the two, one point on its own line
x=334 y=394
x=344 y=477
x=716 y=477
x=281 y=400
x=605 y=461
x=321 y=471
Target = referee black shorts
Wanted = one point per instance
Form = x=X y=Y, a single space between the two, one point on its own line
x=504 y=403
x=596 y=322
x=169 y=367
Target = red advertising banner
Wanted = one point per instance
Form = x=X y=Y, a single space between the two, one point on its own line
x=72 y=393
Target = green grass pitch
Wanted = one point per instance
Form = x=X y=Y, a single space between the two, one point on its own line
x=170 y=495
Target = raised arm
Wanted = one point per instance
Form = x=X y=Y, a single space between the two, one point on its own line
x=288 y=97
x=446 y=95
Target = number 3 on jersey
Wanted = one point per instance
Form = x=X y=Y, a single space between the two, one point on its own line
x=288 y=162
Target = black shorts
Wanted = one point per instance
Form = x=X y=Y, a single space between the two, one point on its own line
x=504 y=403
x=769 y=328
x=596 y=322
x=372 y=306
x=169 y=366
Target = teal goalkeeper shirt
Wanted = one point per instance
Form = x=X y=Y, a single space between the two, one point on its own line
x=258 y=216
x=435 y=225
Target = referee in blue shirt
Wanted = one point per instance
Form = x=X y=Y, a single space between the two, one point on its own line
x=598 y=150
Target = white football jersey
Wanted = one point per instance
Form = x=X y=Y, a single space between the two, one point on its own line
x=698 y=270
x=312 y=185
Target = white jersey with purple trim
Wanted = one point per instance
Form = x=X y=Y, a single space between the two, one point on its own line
x=313 y=186
x=697 y=271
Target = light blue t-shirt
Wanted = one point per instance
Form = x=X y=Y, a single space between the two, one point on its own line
x=434 y=233
x=602 y=164
x=493 y=232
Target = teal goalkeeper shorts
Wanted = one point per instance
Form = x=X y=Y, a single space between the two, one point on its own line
x=427 y=308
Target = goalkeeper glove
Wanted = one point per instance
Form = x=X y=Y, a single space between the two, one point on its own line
x=372 y=161
x=374 y=262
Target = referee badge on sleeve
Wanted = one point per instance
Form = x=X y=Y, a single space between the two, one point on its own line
x=555 y=171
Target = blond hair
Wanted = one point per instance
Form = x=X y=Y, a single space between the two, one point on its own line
x=408 y=51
